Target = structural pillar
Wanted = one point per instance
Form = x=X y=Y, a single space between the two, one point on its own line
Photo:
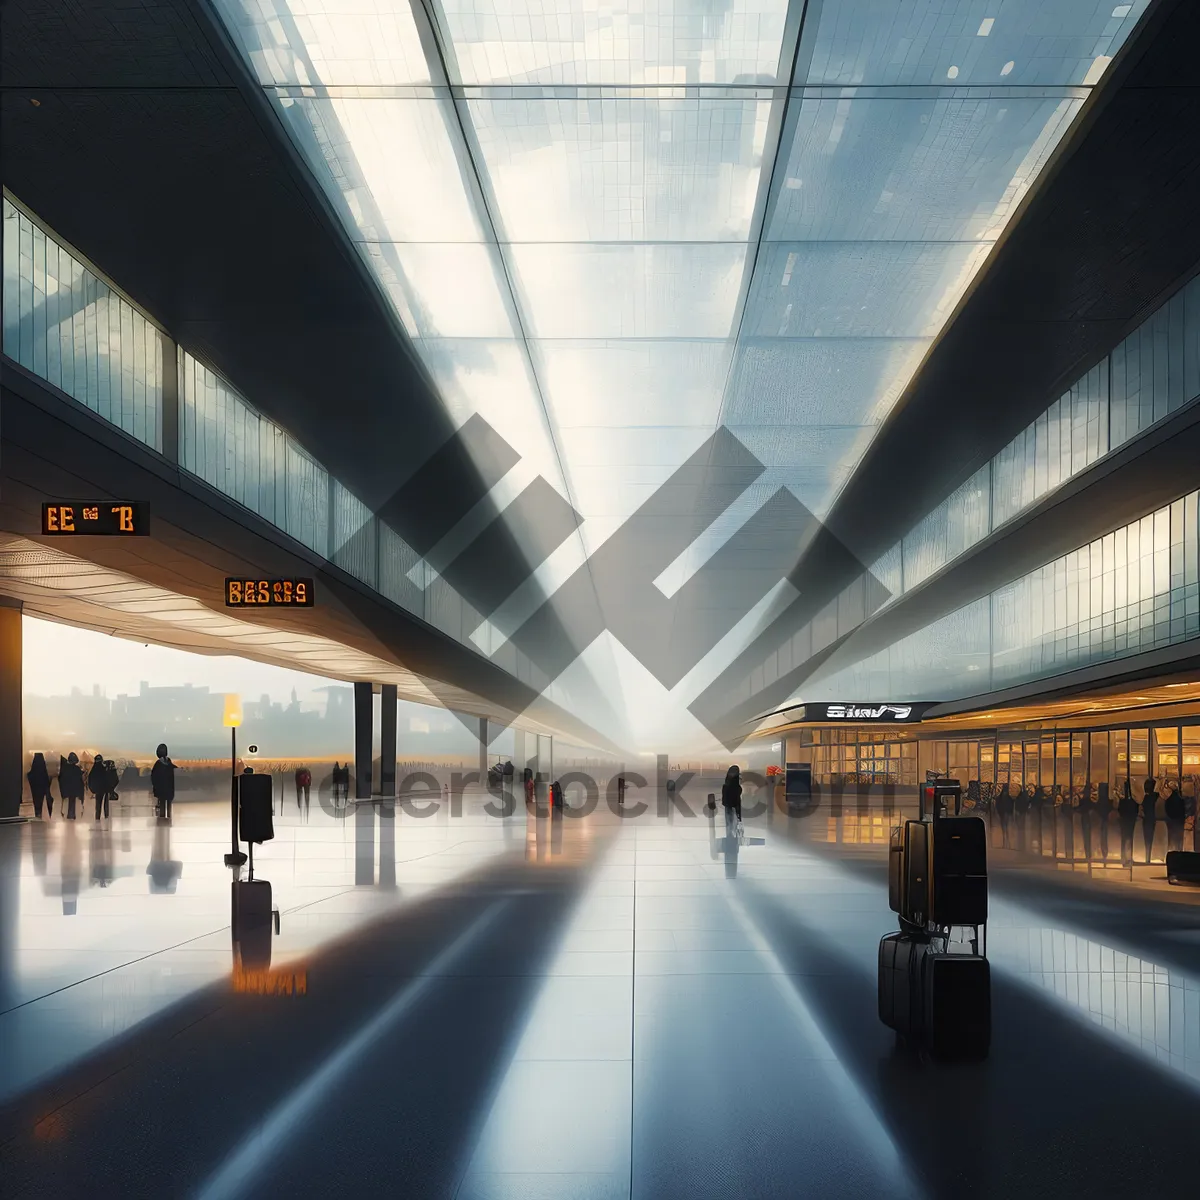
x=387 y=740
x=12 y=751
x=170 y=398
x=483 y=748
x=363 y=704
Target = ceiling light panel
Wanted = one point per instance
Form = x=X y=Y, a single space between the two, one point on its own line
x=332 y=42
x=940 y=165
x=917 y=42
x=858 y=289
x=665 y=290
x=616 y=42
x=655 y=167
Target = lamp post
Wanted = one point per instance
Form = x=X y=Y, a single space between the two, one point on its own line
x=233 y=718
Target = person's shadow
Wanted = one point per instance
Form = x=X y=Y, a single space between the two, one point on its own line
x=728 y=847
x=164 y=871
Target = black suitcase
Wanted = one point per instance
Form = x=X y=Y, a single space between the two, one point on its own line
x=255 y=795
x=959 y=871
x=900 y=994
x=896 y=868
x=956 y=1008
x=1183 y=866
x=253 y=923
x=915 y=891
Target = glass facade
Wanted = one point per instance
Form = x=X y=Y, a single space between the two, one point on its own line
x=74 y=330
x=1066 y=786
x=67 y=326
x=1154 y=372
x=225 y=442
x=1135 y=589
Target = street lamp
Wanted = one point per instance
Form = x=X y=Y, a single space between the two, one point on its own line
x=233 y=718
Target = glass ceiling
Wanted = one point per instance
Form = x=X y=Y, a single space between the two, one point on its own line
x=611 y=226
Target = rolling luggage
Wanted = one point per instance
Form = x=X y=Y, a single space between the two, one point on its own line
x=959 y=871
x=915 y=891
x=895 y=868
x=956 y=1008
x=900 y=993
x=1183 y=866
x=933 y=999
x=254 y=919
x=255 y=796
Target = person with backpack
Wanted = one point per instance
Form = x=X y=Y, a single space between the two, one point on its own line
x=97 y=782
x=39 y=786
x=112 y=778
x=731 y=797
x=70 y=783
x=162 y=781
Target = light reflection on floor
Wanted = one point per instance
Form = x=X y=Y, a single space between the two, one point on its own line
x=680 y=1035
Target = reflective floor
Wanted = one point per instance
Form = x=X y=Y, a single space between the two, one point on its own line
x=579 y=1006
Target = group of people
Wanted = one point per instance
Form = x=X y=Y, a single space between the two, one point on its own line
x=1032 y=807
x=101 y=779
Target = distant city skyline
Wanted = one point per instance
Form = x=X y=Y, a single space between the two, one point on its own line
x=83 y=689
x=58 y=658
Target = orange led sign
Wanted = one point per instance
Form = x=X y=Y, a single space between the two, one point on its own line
x=121 y=518
x=268 y=593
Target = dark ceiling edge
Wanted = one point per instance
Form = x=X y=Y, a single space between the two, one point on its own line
x=961 y=582
x=226 y=50
x=363 y=602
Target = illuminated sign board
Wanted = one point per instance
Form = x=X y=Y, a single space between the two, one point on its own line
x=106 y=518
x=268 y=593
x=892 y=713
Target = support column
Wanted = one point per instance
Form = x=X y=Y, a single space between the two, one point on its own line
x=170 y=398
x=12 y=751
x=363 y=702
x=387 y=740
x=483 y=749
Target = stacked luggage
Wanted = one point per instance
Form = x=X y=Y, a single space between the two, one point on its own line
x=934 y=989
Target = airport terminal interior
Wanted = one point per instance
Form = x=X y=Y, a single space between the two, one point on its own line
x=599 y=599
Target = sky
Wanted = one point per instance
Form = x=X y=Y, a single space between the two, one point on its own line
x=60 y=657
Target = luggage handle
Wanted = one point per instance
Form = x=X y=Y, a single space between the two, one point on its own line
x=275 y=914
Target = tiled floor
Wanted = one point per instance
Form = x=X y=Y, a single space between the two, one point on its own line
x=531 y=1007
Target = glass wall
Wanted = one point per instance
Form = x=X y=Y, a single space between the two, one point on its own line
x=1151 y=374
x=71 y=328
x=67 y=326
x=1065 y=788
x=1136 y=589
x=859 y=758
x=225 y=442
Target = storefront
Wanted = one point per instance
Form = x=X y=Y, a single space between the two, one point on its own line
x=1062 y=786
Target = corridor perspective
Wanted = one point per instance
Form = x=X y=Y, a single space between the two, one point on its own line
x=570 y=1005
x=599 y=599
